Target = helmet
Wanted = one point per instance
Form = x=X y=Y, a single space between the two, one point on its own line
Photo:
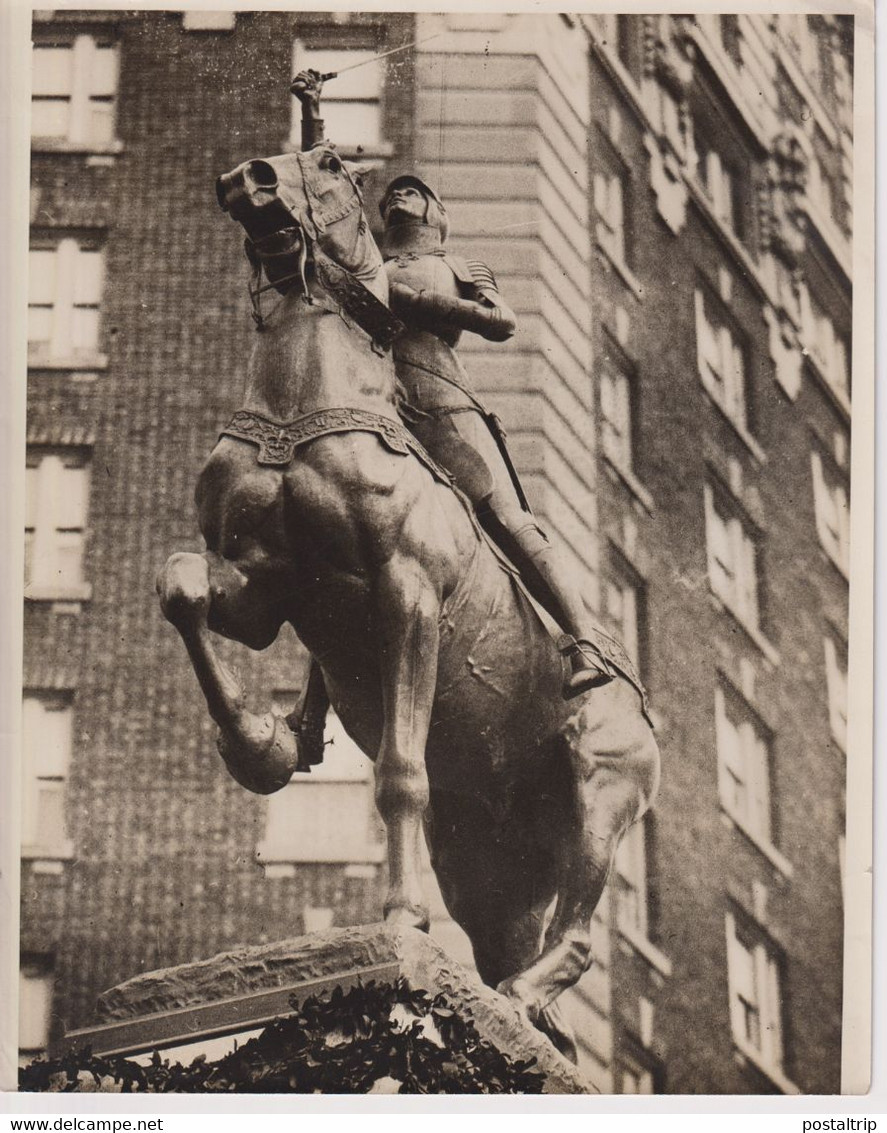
x=435 y=213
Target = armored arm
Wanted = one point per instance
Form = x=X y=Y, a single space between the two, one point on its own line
x=432 y=310
x=306 y=87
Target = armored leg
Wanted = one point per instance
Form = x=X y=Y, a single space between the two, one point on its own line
x=308 y=719
x=463 y=444
x=545 y=576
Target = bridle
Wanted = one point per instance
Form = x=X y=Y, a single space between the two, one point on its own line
x=345 y=288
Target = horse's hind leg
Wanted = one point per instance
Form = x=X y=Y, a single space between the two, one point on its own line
x=611 y=778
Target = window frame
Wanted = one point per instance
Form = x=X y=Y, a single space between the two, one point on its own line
x=623 y=575
x=831 y=360
x=837 y=687
x=631 y=874
x=59 y=351
x=744 y=600
x=356 y=776
x=35 y=778
x=731 y=395
x=758 y=821
x=37 y=968
x=44 y=546
x=831 y=506
x=767 y=970
x=312 y=41
x=81 y=98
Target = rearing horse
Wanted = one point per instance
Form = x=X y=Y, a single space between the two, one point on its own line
x=319 y=509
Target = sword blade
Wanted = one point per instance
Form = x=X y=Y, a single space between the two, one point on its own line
x=375 y=58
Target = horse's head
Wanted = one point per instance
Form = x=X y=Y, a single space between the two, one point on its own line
x=297 y=201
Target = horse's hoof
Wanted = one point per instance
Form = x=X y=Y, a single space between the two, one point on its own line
x=183 y=586
x=407 y=916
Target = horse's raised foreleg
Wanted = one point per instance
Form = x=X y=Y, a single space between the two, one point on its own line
x=408 y=611
x=615 y=773
x=259 y=751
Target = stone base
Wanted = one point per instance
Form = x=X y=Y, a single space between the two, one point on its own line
x=246 y=988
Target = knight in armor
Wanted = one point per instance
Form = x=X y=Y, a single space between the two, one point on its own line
x=439 y=296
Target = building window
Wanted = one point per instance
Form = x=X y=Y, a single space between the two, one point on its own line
x=836 y=684
x=196 y=19
x=624 y=607
x=721 y=359
x=632 y=900
x=352 y=102
x=618 y=35
x=47 y=725
x=732 y=560
x=56 y=497
x=722 y=184
x=74 y=87
x=828 y=349
x=743 y=766
x=329 y=815
x=64 y=298
x=616 y=413
x=632 y=1078
x=755 y=995
x=35 y=1005
x=799 y=33
x=832 y=509
x=731 y=38
x=611 y=196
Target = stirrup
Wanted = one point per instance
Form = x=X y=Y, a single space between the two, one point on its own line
x=309 y=741
x=593 y=673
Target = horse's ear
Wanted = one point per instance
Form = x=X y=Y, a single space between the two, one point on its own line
x=358 y=172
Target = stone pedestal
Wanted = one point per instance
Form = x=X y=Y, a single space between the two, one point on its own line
x=246 y=988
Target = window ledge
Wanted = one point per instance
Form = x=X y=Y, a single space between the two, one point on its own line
x=838 y=398
x=273 y=856
x=46 y=859
x=738 y=428
x=646 y=948
x=835 y=240
x=622 y=269
x=65 y=145
x=375 y=154
x=631 y=482
x=769 y=851
x=619 y=72
x=37 y=592
x=85 y=363
x=755 y=636
x=773 y=1073
x=728 y=237
x=843 y=569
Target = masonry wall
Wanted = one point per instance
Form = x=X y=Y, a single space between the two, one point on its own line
x=163 y=867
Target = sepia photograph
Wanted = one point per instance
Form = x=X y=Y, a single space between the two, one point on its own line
x=438 y=674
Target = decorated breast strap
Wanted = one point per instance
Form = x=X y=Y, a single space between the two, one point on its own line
x=277 y=441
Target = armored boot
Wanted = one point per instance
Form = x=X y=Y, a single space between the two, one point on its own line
x=308 y=720
x=544 y=575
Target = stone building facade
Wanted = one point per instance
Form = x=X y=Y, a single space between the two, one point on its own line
x=665 y=202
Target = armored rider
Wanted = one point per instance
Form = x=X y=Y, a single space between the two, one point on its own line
x=438 y=296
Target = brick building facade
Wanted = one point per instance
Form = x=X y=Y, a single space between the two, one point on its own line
x=665 y=202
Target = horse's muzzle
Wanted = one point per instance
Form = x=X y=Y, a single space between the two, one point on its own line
x=251 y=195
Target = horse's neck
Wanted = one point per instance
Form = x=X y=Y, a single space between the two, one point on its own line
x=308 y=358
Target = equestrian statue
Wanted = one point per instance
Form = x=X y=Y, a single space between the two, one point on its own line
x=364 y=495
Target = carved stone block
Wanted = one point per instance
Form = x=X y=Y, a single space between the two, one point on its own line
x=241 y=989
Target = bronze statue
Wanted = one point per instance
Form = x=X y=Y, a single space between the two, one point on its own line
x=438 y=296
x=319 y=508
